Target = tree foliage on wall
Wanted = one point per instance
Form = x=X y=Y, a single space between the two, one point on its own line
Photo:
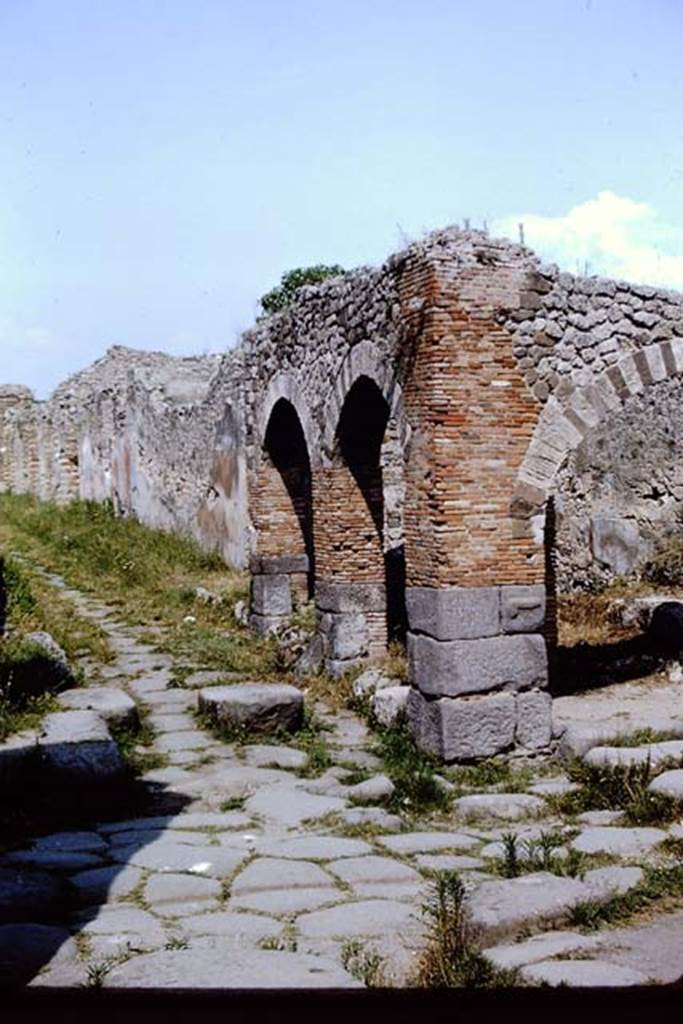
x=281 y=296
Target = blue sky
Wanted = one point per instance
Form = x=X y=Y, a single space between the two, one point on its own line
x=162 y=162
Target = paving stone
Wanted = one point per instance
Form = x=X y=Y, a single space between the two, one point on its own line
x=108 y=828
x=599 y=818
x=66 y=842
x=267 y=873
x=669 y=784
x=371 y=816
x=360 y=919
x=258 y=707
x=539 y=947
x=553 y=787
x=509 y=806
x=167 y=855
x=112 y=704
x=216 y=821
x=100 y=884
x=356 y=759
x=653 y=947
x=172 y=723
x=117 y=929
x=447 y=862
x=620 y=842
x=124 y=843
x=205 y=965
x=286 y=901
x=188 y=740
x=193 y=759
x=242 y=929
x=583 y=974
x=426 y=842
x=27 y=948
x=291 y=807
x=26 y=895
x=313 y=848
x=655 y=754
x=171 y=888
x=500 y=908
x=47 y=860
x=613 y=880
x=376 y=790
x=262 y=756
x=172 y=700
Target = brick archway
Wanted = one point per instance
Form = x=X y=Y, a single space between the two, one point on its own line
x=282 y=567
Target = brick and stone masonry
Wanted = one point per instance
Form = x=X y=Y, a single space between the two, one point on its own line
x=415 y=447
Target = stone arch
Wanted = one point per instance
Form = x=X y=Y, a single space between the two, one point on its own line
x=565 y=421
x=282 y=565
x=286 y=386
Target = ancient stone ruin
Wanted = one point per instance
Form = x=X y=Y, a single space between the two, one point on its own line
x=427 y=450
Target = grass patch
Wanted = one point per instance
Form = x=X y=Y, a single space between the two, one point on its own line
x=659 y=885
x=453 y=957
x=411 y=771
x=490 y=774
x=642 y=737
x=617 y=788
x=363 y=964
x=29 y=715
x=132 y=737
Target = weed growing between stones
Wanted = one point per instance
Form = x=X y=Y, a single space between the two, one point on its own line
x=620 y=787
x=453 y=958
x=362 y=963
x=235 y=803
x=641 y=737
x=658 y=885
x=411 y=771
x=522 y=857
x=284 y=943
x=132 y=739
x=490 y=774
x=27 y=715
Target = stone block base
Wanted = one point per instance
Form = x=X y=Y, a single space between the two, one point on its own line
x=351 y=623
x=452 y=668
x=271 y=595
x=475 y=727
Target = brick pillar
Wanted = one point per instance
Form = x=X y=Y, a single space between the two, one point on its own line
x=475 y=577
x=282 y=510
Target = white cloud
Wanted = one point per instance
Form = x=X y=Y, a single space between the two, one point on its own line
x=611 y=235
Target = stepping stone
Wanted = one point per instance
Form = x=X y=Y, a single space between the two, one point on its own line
x=363 y=919
x=619 y=842
x=25 y=949
x=101 y=884
x=47 y=860
x=314 y=848
x=255 y=707
x=26 y=895
x=540 y=947
x=377 y=790
x=167 y=855
x=205 y=965
x=67 y=842
x=291 y=807
x=267 y=873
x=583 y=974
x=77 y=749
x=188 y=740
x=114 y=706
x=509 y=806
x=192 y=894
x=669 y=784
x=261 y=756
x=241 y=929
x=447 y=862
x=426 y=842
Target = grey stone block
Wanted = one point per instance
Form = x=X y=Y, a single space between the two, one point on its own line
x=616 y=543
x=270 y=565
x=271 y=595
x=522 y=609
x=265 y=624
x=454 y=613
x=389 y=703
x=347 y=637
x=350 y=597
x=463 y=729
x=76 y=747
x=258 y=707
x=457 y=667
x=534 y=720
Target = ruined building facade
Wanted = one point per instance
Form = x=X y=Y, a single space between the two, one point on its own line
x=419 y=448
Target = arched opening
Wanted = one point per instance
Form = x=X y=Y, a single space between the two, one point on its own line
x=283 y=567
x=288 y=486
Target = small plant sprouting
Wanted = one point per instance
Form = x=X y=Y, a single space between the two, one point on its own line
x=511 y=867
x=176 y=942
x=363 y=964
